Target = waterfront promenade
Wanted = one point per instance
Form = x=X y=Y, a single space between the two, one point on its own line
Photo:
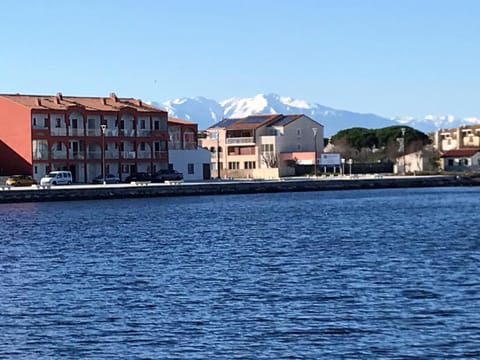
x=223 y=187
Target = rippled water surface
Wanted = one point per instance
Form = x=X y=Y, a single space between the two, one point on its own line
x=369 y=274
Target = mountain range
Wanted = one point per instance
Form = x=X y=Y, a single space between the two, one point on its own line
x=206 y=112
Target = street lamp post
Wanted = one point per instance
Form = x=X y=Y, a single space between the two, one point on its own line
x=218 y=155
x=315 y=130
x=103 y=127
x=343 y=166
x=403 y=143
x=350 y=162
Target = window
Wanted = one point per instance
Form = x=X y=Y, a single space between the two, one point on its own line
x=142 y=124
x=249 y=165
x=267 y=147
x=59 y=146
x=299 y=147
x=233 y=165
x=58 y=122
x=450 y=162
x=74 y=123
x=191 y=169
x=35 y=169
x=34 y=121
x=299 y=133
x=142 y=146
x=45 y=122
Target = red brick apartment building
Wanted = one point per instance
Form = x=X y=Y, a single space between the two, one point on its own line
x=41 y=133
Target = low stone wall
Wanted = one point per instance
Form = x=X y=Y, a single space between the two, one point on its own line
x=223 y=188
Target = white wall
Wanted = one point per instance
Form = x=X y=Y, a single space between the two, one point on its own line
x=181 y=158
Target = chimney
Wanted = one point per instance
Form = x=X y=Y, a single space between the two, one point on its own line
x=39 y=102
x=58 y=96
x=113 y=97
x=139 y=102
x=103 y=101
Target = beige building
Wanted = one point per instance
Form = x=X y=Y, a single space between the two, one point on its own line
x=457 y=138
x=262 y=146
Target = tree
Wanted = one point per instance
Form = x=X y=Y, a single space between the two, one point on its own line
x=270 y=159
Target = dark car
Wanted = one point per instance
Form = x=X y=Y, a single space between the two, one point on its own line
x=139 y=176
x=109 y=179
x=167 y=175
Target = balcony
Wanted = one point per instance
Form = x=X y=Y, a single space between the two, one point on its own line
x=144 y=132
x=143 y=154
x=128 y=154
x=94 y=155
x=77 y=155
x=241 y=141
x=93 y=132
x=127 y=132
x=160 y=155
x=75 y=132
x=111 y=154
x=40 y=155
x=58 y=132
x=59 y=154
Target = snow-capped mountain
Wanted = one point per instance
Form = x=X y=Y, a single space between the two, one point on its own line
x=207 y=112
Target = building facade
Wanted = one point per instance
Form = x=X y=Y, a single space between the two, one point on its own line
x=262 y=146
x=86 y=135
x=184 y=155
x=461 y=160
x=457 y=138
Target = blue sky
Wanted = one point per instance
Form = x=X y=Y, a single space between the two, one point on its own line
x=390 y=57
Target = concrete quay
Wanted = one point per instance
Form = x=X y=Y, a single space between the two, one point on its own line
x=220 y=187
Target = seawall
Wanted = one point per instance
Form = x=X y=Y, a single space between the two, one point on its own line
x=89 y=192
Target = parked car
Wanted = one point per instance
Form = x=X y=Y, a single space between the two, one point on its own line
x=109 y=179
x=139 y=176
x=57 y=178
x=20 y=180
x=167 y=175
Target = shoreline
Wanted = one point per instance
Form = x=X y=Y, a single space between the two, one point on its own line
x=227 y=187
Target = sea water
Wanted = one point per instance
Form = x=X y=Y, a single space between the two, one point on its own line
x=365 y=274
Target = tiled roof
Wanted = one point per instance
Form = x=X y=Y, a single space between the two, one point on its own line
x=180 y=121
x=60 y=102
x=286 y=119
x=467 y=152
x=255 y=121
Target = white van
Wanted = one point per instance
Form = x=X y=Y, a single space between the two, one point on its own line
x=57 y=178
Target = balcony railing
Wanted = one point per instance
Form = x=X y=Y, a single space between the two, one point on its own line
x=94 y=155
x=111 y=132
x=58 y=132
x=127 y=132
x=75 y=132
x=128 y=154
x=93 y=132
x=160 y=155
x=40 y=155
x=240 y=141
x=144 y=132
x=76 y=155
x=111 y=154
x=143 y=154
x=59 y=154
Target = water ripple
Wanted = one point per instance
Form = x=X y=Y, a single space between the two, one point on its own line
x=390 y=274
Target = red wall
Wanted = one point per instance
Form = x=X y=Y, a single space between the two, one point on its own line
x=15 y=136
